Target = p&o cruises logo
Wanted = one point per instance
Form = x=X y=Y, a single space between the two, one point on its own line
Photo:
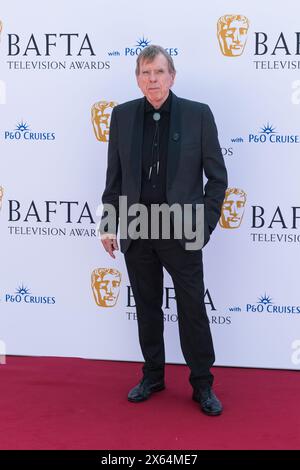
x=23 y=295
x=265 y=304
x=23 y=132
x=269 y=134
x=134 y=50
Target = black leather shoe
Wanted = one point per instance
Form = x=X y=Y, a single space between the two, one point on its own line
x=144 y=390
x=209 y=403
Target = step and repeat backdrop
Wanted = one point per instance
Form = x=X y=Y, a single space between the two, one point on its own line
x=63 y=66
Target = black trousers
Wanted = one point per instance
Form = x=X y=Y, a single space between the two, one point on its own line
x=145 y=260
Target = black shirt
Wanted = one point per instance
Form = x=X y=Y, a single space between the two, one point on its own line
x=155 y=148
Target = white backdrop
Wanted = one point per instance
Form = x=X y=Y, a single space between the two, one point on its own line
x=49 y=152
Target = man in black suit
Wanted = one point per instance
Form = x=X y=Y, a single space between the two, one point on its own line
x=159 y=148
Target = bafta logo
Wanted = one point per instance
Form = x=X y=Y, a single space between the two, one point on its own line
x=232 y=34
x=1 y=196
x=233 y=208
x=106 y=286
x=101 y=113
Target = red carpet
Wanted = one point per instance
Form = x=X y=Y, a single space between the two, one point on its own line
x=64 y=403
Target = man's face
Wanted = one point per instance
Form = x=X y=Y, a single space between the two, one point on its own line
x=106 y=289
x=155 y=80
x=232 y=37
x=232 y=211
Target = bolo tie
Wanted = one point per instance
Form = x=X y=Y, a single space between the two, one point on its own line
x=155 y=146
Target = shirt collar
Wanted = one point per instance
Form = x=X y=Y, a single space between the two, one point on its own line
x=165 y=107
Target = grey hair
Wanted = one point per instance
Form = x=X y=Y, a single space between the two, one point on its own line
x=149 y=53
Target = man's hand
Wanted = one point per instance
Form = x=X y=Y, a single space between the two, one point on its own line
x=109 y=241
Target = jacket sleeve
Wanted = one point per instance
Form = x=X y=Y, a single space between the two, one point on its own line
x=112 y=189
x=214 y=170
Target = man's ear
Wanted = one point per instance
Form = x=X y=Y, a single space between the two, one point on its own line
x=137 y=81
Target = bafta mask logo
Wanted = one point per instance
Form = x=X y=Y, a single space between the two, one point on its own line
x=232 y=34
x=233 y=208
x=106 y=286
x=101 y=113
x=1 y=196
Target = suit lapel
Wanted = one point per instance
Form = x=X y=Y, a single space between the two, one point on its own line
x=174 y=141
x=137 y=144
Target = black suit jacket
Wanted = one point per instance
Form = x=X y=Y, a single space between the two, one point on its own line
x=193 y=149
